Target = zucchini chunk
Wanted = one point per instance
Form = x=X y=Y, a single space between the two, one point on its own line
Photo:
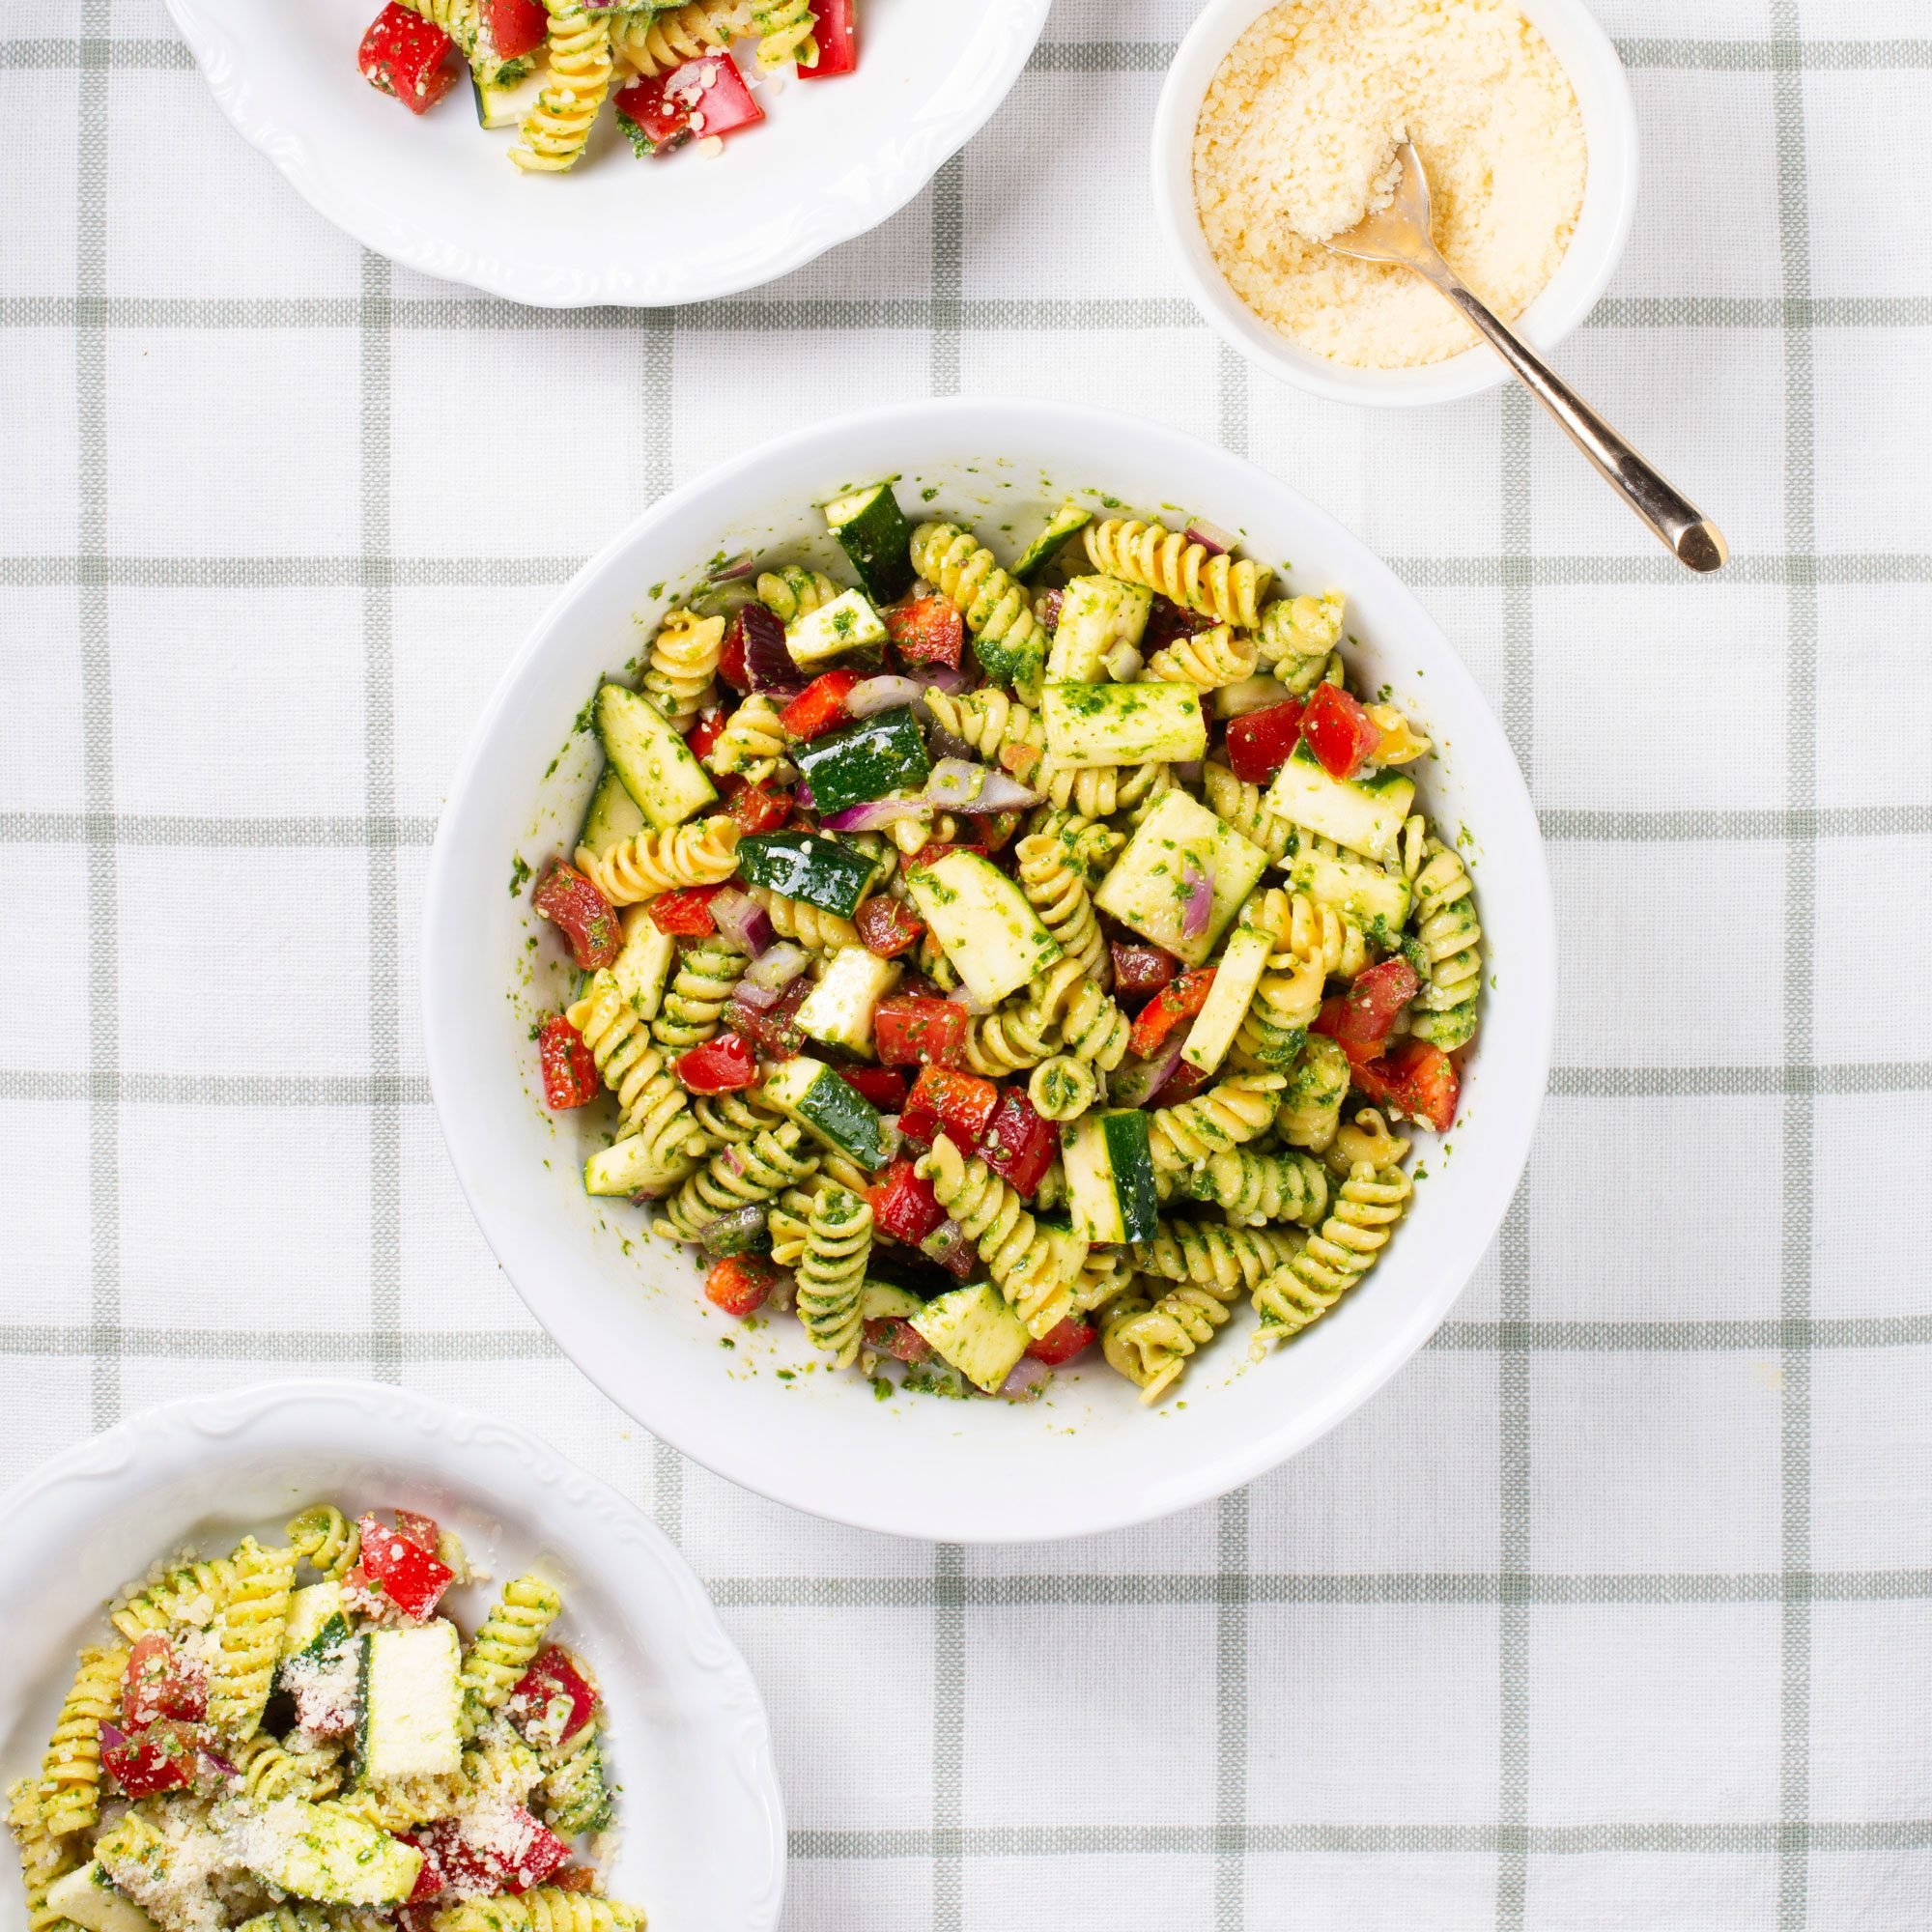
x=1061 y=526
x=1122 y=723
x=410 y=1721
x=984 y=925
x=839 y=1011
x=1236 y=974
x=1149 y=885
x=806 y=866
x=628 y=1167
x=504 y=102
x=642 y=969
x=973 y=1330
x=1110 y=1183
x=1365 y=815
x=827 y=1108
x=329 y=1854
x=881 y=1300
x=865 y=760
x=844 y=628
x=655 y=764
x=316 y=1619
x=89 y=1899
x=1096 y=615
x=613 y=815
x=873 y=533
x=1355 y=888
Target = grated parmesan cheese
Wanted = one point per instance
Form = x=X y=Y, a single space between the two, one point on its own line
x=1296 y=140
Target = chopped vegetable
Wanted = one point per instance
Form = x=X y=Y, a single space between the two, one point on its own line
x=820 y=706
x=1179 y=1000
x=1361 y=1020
x=1018 y=1143
x=887 y=927
x=1339 y=730
x=904 y=1206
x=701 y=98
x=403 y=54
x=725 y=1064
x=1417 y=1078
x=913 y=1029
x=582 y=914
x=836 y=31
x=1259 y=744
x=1061 y=1342
x=410 y=1576
x=569 y=1068
x=685 y=912
x=740 y=1284
x=163 y=1756
x=945 y=1098
x=927 y=631
x=880 y=1085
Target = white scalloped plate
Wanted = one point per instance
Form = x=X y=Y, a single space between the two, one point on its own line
x=832 y=159
x=700 y=1843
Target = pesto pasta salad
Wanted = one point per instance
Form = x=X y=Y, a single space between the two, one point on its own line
x=547 y=67
x=986 y=961
x=290 y=1738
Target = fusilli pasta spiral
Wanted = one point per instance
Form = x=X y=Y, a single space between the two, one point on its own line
x=1296 y=636
x=693 y=1004
x=546 y=1909
x=1063 y=1088
x=730 y=1118
x=1237 y=803
x=1210 y=659
x=1023 y=1263
x=192 y=1594
x=1348 y=1245
x=1090 y=846
x=995 y=607
x=650 y=1102
x=650 y=42
x=324 y=1538
x=1449 y=936
x=784 y=30
x=1311 y=1103
x=1204 y=1252
x=44 y=1855
x=1240 y=1108
x=1007 y=1040
x=505 y=1643
x=248 y=1634
x=813 y=928
x=1254 y=1189
x=832 y=1271
x=738 y=1177
x=556 y=129
x=1089 y=1024
x=70 y=1783
x=271 y=1770
x=793 y=592
x=1056 y=893
x=1222 y=587
x=683 y=664
x=649 y=862
x=1151 y=1345
x=752 y=742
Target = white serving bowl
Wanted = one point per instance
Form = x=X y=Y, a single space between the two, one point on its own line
x=702 y=1837
x=628 y=1308
x=1603 y=226
x=832 y=158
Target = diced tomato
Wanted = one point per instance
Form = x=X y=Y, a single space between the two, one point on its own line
x=483 y=1867
x=1019 y=1142
x=880 y=1085
x=1062 y=1341
x=913 y=1029
x=1360 y=1020
x=759 y=810
x=431 y=1880
x=836 y=29
x=161 y=1757
x=403 y=54
x=553 y=1700
x=820 y=706
x=686 y=911
x=424 y=1531
x=775 y=1030
x=411 y=1577
x=1339 y=732
x=1259 y=744
x=927 y=631
x=904 y=1206
x=943 y=1097
x=739 y=1284
x=160 y=1684
x=932 y=854
x=892 y=1335
x=539 y=1852
x=705 y=733
x=725 y=1064
x=1183 y=1084
x=582 y=914
x=1140 y=970
x=513 y=27
x=703 y=97
x=1416 y=1078
x=1179 y=1000
x=886 y=928
x=569 y=1068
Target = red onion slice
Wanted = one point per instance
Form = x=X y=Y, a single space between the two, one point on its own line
x=776 y=967
x=1188 y=771
x=760 y=999
x=1211 y=536
x=1028 y=1372
x=876 y=814
x=882 y=694
x=937 y=677
x=1135 y=1082
x=1200 y=902
x=960 y=786
x=961 y=997
x=732 y=569
x=767 y=660
x=112 y=1736
x=740 y=916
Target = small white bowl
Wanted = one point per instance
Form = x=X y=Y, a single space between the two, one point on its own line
x=1609 y=201
x=629 y=1308
x=700 y=1839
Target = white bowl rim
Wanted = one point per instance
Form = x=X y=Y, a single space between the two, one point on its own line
x=1603 y=95
x=681 y=1421
x=900 y=172
x=43 y=1512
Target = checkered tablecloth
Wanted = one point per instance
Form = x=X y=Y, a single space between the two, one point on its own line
x=1615 y=1609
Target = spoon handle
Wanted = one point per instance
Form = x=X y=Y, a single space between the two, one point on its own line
x=1691 y=537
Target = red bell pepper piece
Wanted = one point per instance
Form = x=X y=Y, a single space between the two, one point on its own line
x=774 y=1030
x=733 y=667
x=1360 y=1020
x=725 y=1064
x=393 y=1566
x=886 y=928
x=424 y=1531
x=569 y=1068
x=158 y=1683
x=836 y=29
x=1062 y=1341
x=1179 y=1000
x=1340 y=732
x=927 y=631
x=1140 y=970
x=1259 y=744
x=1417 y=1079
x=1019 y=1142
x=703 y=97
x=820 y=706
x=582 y=914
x=705 y=733
x=161 y=1757
x=758 y=811
x=904 y=1206
x=880 y=1085
x=553 y=1700
x=944 y=1098
x=512 y=28
x=892 y=1335
x=520 y=1853
x=739 y=1284
x=911 y=1029
x=687 y=911
x=403 y=54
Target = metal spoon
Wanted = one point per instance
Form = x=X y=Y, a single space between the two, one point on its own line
x=1400 y=234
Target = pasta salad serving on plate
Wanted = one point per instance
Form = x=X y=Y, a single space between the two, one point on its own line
x=547 y=67
x=986 y=962
x=291 y=1738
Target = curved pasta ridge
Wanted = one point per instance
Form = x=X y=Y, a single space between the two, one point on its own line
x=249 y=1636
x=556 y=129
x=1338 y=1254
x=649 y=862
x=504 y=1644
x=968 y=576
x=1208 y=582
x=324 y=1538
x=1058 y=894
x=1240 y=1108
x=1207 y=659
x=683 y=665
x=739 y=1176
x=832 y=1271
x=650 y=42
x=650 y=1102
x=1088 y=1023
x=1018 y=1256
